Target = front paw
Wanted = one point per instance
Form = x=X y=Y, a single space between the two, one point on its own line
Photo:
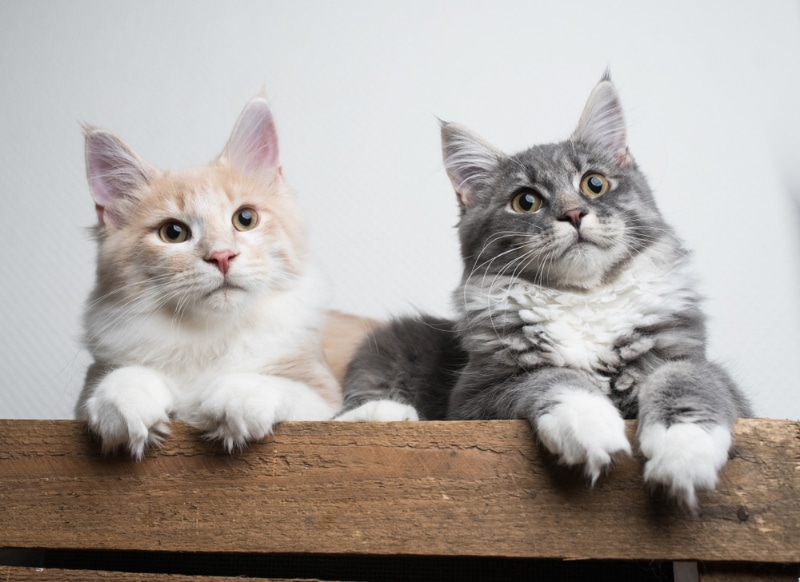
x=583 y=429
x=130 y=407
x=237 y=408
x=380 y=411
x=684 y=458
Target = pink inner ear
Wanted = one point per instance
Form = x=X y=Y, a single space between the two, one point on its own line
x=467 y=160
x=465 y=199
x=602 y=122
x=98 y=168
x=115 y=173
x=253 y=146
x=100 y=192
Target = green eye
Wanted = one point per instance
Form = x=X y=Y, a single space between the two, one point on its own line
x=245 y=219
x=526 y=202
x=594 y=185
x=174 y=232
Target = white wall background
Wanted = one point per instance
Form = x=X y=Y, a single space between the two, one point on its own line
x=711 y=89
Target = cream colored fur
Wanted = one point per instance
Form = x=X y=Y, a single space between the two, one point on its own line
x=232 y=345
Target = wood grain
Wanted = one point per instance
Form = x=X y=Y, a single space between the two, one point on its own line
x=13 y=574
x=420 y=489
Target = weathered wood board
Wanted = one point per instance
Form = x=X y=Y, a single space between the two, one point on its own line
x=418 y=489
x=11 y=574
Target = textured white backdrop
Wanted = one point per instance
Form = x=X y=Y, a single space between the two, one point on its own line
x=711 y=91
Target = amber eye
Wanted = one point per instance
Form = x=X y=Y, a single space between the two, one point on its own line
x=526 y=202
x=174 y=232
x=245 y=219
x=594 y=185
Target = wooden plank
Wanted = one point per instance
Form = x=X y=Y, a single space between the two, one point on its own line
x=16 y=574
x=427 y=489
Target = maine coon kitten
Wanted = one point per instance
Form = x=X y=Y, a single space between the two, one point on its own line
x=576 y=309
x=205 y=308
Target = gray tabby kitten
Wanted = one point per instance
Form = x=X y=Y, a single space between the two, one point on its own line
x=576 y=310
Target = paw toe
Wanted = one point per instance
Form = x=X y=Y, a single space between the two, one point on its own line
x=380 y=411
x=584 y=429
x=684 y=458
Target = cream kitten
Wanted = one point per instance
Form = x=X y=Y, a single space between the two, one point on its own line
x=205 y=308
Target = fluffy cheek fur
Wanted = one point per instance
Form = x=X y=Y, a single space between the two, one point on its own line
x=567 y=257
x=141 y=269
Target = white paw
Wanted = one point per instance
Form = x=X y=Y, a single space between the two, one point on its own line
x=380 y=411
x=130 y=407
x=684 y=458
x=584 y=428
x=237 y=408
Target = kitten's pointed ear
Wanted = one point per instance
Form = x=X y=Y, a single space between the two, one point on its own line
x=602 y=123
x=253 y=145
x=469 y=161
x=115 y=173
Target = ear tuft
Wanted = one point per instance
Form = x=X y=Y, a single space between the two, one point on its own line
x=115 y=173
x=468 y=160
x=602 y=123
x=253 y=145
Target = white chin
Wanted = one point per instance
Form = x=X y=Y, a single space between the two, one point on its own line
x=581 y=267
x=224 y=299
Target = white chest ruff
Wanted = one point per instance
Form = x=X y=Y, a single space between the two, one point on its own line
x=271 y=330
x=582 y=330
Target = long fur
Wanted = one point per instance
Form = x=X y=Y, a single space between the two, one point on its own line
x=573 y=315
x=173 y=333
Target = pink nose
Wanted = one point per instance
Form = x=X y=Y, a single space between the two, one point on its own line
x=222 y=260
x=574 y=216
